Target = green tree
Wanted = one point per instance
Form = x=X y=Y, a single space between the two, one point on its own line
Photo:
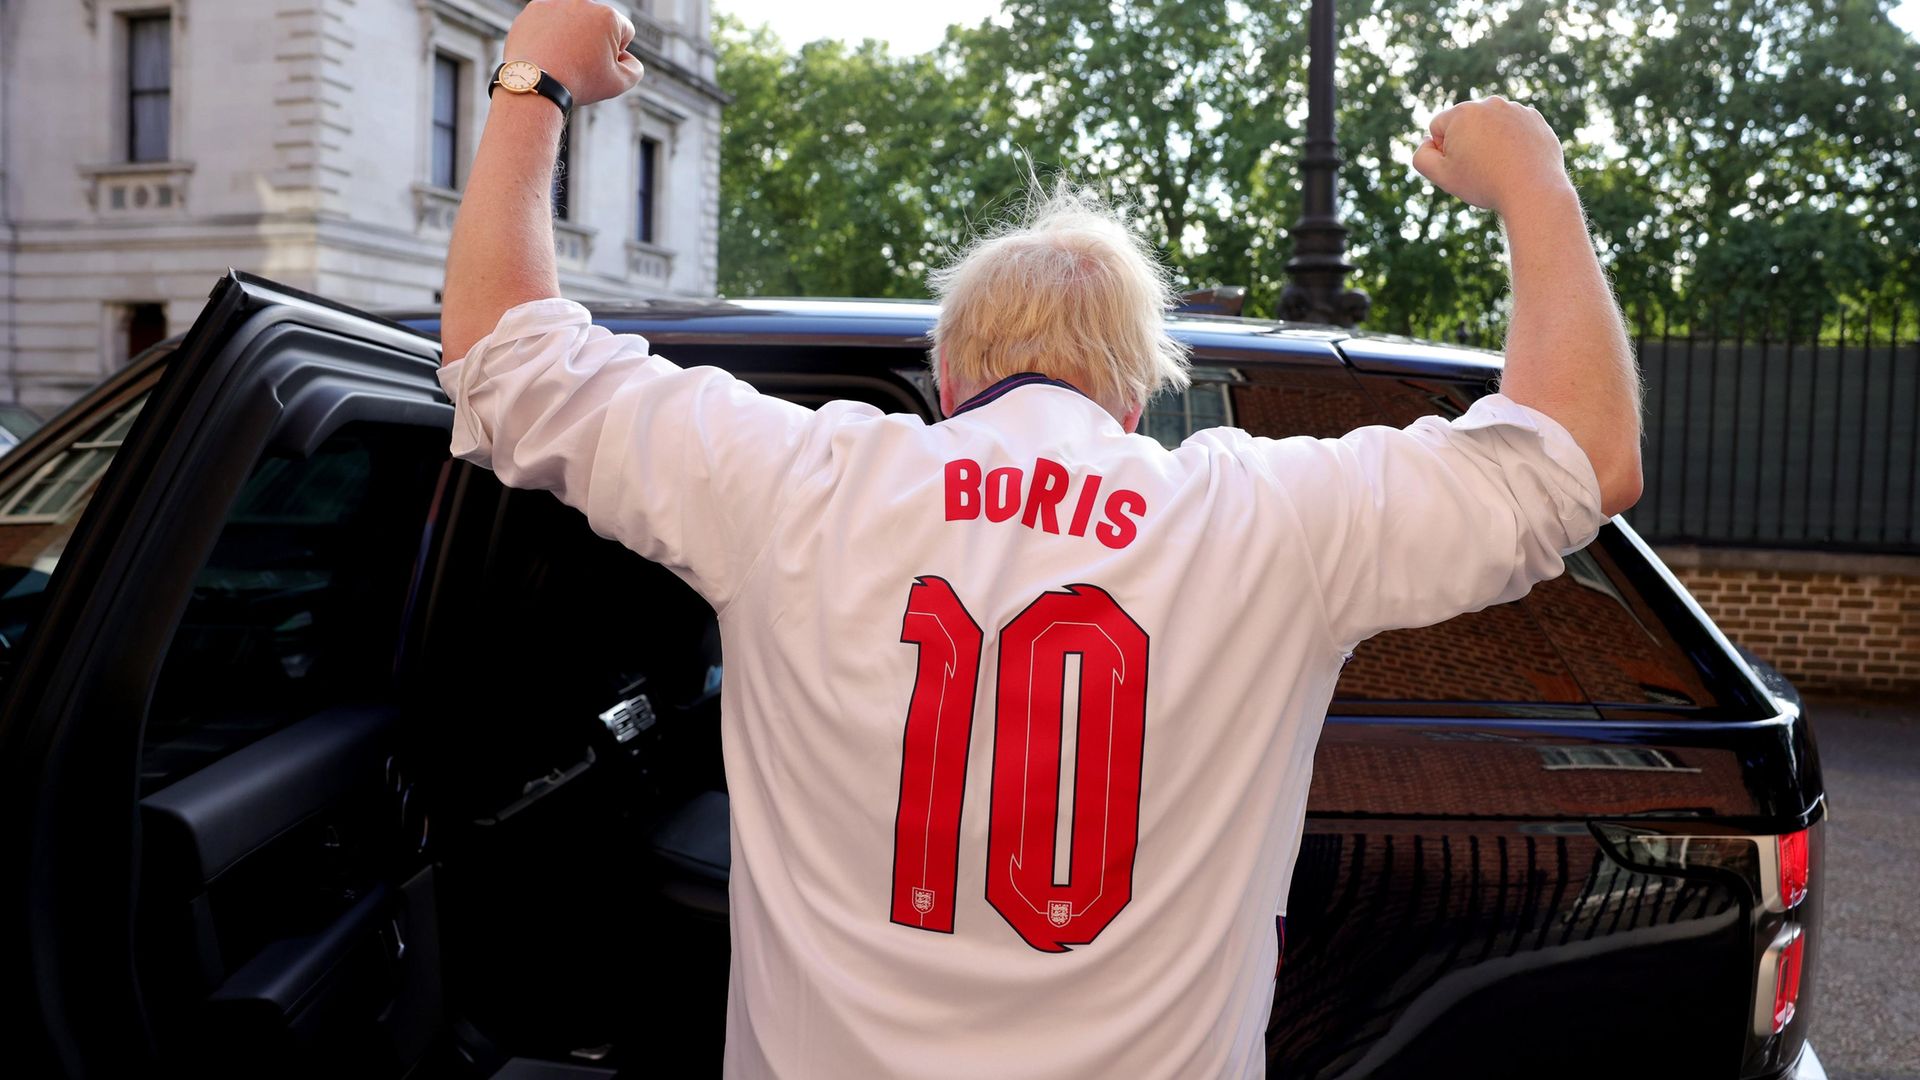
x=825 y=178
x=1753 y=152
x=1773 y=148
x=1179 y=109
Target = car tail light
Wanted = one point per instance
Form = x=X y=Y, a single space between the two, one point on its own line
x=1790 y=854
x=1777 y=996
x=1786 y=979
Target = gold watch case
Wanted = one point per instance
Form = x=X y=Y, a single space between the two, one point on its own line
x=519 y=76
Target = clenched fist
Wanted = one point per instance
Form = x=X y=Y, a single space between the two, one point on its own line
x=583 y=43
x=1493 y=153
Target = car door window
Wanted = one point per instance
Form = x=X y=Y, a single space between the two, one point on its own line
x=40 y=506
x=300 y=605
x=1207 y=403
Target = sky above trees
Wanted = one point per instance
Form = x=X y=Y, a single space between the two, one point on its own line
x=905 y=27
x=911 y=28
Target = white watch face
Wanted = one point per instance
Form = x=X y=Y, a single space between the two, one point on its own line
x=520 y=76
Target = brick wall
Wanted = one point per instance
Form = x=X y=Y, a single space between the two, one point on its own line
x=1827 y=621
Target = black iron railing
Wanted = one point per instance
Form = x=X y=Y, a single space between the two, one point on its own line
x=1781 y=429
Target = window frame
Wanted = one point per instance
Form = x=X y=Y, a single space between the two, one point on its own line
x=647 y=190
x=455 y=68
x=134 y=92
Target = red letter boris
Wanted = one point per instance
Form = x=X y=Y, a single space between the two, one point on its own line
x=1049 y=490
x=1003 y=494
x=1083 y=510
x=1119 y=530
x=963 y=490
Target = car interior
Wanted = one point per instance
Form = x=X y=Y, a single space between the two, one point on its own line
x=482 y=835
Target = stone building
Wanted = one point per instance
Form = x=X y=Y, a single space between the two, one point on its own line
x=148 y=145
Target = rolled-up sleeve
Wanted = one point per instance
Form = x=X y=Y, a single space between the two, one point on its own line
x=685 y=466
x=1412 y=526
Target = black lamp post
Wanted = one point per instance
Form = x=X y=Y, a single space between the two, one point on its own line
x=1316 y=290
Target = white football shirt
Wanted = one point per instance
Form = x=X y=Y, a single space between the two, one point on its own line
x=1019 y=710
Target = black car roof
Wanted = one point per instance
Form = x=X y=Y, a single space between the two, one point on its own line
x=905 y=323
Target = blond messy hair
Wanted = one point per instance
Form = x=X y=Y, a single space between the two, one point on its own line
x=1067 y=290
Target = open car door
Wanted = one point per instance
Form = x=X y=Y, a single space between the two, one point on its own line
x=213 y=865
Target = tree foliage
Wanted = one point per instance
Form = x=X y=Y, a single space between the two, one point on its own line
x=1756 y=152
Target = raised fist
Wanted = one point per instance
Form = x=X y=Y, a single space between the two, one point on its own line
x=583 y=43
x=1492 y=153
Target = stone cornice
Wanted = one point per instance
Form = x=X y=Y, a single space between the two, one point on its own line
x=491 y=17
x=682 y=74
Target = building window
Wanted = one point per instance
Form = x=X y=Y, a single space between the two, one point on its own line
x=563 y=178
x=446 y=122
x=149 y=87
x=649 y=172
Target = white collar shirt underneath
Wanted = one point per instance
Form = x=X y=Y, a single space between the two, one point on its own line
x=1019 y=710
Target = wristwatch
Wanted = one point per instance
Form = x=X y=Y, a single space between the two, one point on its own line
x=525 y=77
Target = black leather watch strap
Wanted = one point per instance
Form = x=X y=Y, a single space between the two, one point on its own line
x=548 y=87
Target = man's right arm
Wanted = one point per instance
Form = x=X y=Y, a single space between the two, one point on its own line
x=1567 y=352
x=686 y=467
x=502 y=250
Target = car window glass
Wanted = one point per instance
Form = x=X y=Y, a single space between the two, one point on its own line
x=1497 y=655
x=1170 y=418
x=1615 y=645
x=40 y=507
x=18 y=421
x=1278 y=402
x=1587 y=636
x=299 y=607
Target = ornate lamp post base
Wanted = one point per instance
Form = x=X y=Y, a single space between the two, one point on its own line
x=1316 y=291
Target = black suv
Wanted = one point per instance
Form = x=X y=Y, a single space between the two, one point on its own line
x=327 y=755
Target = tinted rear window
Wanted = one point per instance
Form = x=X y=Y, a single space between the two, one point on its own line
x=1588 y=637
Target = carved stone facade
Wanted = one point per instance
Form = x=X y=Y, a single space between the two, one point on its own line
x=148 y=145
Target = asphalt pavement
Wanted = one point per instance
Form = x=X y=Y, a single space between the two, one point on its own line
x=1866 y=1023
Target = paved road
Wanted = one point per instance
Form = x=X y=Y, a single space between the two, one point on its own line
x=1867 y=1023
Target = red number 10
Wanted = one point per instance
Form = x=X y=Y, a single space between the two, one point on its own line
x=1048 y=909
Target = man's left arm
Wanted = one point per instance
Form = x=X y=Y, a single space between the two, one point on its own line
x=502 y=250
